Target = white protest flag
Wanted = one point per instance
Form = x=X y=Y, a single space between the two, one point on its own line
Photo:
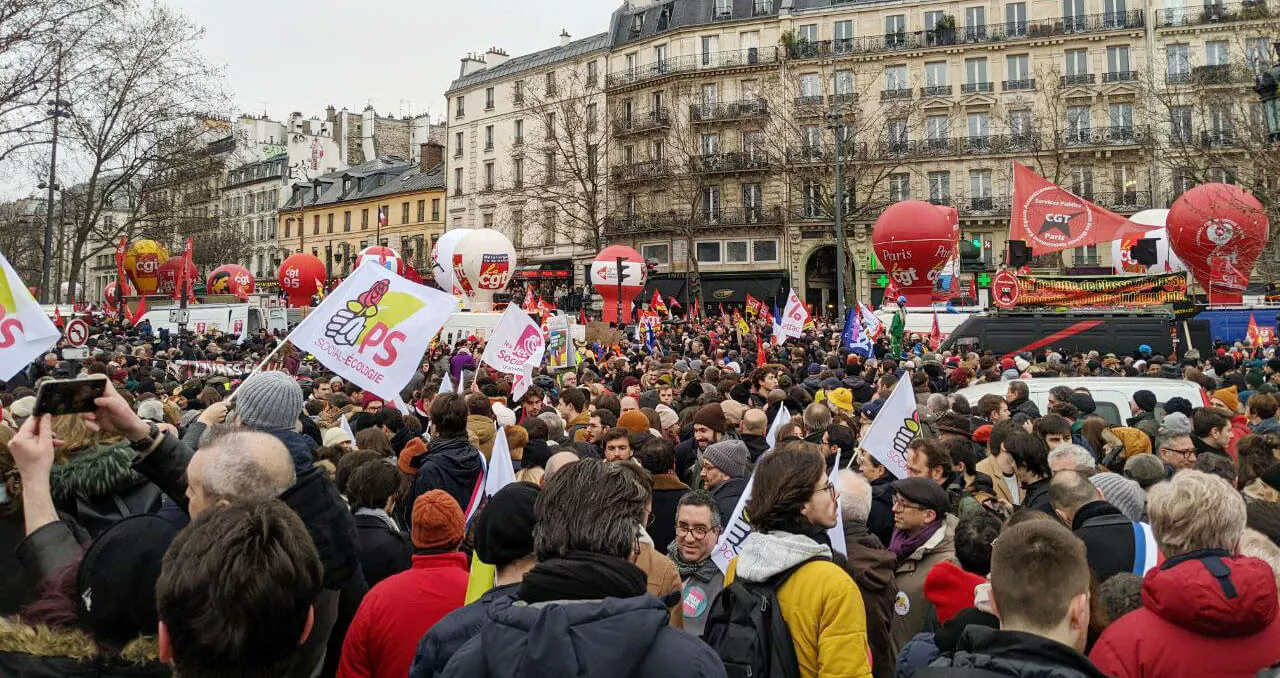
x=782 y=417
x=501 y=469
x=835 y=535
x=894 y=428
x=871 y=323
x=25 y=331
x=520 y=383
x=516 y=345
x=374 y=329
x=735 y=531
x=794 y=317
x=346 y=428
x=446 y=384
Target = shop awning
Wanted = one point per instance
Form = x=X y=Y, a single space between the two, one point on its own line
x=667 y=287
x=539 y=271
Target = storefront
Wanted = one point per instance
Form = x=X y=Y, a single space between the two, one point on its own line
x=729 y=289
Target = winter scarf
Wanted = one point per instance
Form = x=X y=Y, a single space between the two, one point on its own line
x=583 y=576
x=903 y=544
x=685 y=567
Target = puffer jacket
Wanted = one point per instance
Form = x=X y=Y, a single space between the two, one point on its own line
x=448 y=635
x=984 y=652
x=1205 y=613
x=820 y=602
x=44 y=652
x=97 y=487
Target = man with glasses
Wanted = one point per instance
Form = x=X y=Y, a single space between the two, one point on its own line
x=1177 y=451
x=923 y=536
x=697 y=530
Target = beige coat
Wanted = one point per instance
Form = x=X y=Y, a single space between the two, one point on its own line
x=991 y=467
x=911 y=609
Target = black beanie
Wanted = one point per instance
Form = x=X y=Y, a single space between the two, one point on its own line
x=536 y=453
x=117 y=578
x=504 y=529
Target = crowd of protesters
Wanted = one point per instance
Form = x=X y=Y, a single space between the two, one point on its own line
x=306 y=527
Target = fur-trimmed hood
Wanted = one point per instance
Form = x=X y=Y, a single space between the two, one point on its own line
x=40 y=651
x=95 y=472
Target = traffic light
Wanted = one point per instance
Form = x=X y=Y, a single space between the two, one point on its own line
x=1018 y=254
x=971 y=256
x=1144 y=252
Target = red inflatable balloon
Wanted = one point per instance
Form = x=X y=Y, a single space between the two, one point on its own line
x=605 y=274
x=1218 y=230
x=112 y=292
x=301 y=276
x=230 y=279
x=913 y=240
x=167 y=274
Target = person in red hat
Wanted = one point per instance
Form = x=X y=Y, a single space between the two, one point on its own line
x=396 y=613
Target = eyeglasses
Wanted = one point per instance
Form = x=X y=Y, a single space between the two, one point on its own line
x=898 y=504
x=1191 y=451
x=698 y=531
x=829 y=489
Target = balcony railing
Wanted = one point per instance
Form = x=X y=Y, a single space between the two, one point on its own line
x=1077 y=79
x=755 y=56
x=1117 y=135
x=729 y=110
x=808 y=101
x=991 y=144
x=1015 y=85
x=717 y=218
x=641 y=123
x=982 y=34
x=1122 y=201
x=826 y=153
x=936 y=91
x=1213 y=13
x=975 y=87
x=1120 y=76
x=641 y=171
x=846 y=98
x=737 y=161
x=825 y=210
x=900 y=94
x=1220 y=74
x=1177 y=78
x=1218 y=138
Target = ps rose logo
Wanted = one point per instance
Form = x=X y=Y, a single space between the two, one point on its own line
x=345 y=327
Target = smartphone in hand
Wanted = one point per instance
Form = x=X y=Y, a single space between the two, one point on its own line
x=69 y=396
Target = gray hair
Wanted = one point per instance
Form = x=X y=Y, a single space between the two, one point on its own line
x=1077 y=454
x=702 y=498
x=855 y=496
x=1175 y=425
x=817 y=417
x=1195 y=511
x=1167 y=436
x=555 y=425
x=151 y=409
x=589 y=506
x=246 y=466
x=937 y=403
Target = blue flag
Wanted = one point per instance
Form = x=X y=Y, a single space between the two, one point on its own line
x=854 y=339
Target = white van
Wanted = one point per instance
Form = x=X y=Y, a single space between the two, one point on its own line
x=463 y=324
x=241 y=320
x=920 y=320
x=1111 y=394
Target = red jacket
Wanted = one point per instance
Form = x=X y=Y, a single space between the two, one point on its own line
x=1193 y=624
x=396 y=613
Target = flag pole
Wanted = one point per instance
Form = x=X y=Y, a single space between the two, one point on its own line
x=231 y=398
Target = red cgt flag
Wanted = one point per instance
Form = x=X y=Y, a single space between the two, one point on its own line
x=1050 y=219
x=973 y=288
x=935 y=334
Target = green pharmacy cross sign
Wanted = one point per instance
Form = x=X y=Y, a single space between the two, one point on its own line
x=984 y=280
x=883 y=280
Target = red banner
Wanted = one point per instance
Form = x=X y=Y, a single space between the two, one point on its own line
x=1050 y=219
x=1024 y=291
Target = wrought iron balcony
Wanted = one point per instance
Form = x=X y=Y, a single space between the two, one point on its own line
x=900 y=94
x=1218 y=138
x=936 y=91
x=1117 y=135
x=824 y=210
x=751 y=215
x=648 y=170
x=642 y=123
x=1214 y=13
x=991 y=144
x=983 y=206
x=1015 y=85
x=1220 y=74
x=980 y=34
x=847 y=99
x=975 y=87
x=1177 y=78
x=1120 y=76
x=730 y=110
x=736 y=161
x=1122 y=201
x=743 y=58
x=1077 y=79
x=825 y=154
x=808 y=101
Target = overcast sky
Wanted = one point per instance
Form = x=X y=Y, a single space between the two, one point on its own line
x=398 y=55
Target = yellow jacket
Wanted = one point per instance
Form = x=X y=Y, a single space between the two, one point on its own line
x=823 y=609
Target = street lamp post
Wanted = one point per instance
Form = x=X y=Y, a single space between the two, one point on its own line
x=57 y=112
x=1267 y=86
x=835 y=122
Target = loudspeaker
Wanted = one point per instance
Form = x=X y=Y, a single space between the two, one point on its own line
x=1019 y=255
x=1144 y=252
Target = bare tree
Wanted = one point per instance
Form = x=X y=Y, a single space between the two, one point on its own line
x=558 y=165
x=137 y=96
x=34 y=36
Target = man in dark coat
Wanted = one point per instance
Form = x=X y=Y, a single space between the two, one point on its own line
x=871 y=565
x=1109 y=537
x=725 y=469
x=504 y=539
x=384 y=549
x=451 y=463
x=1019 y=401
x=658 y=457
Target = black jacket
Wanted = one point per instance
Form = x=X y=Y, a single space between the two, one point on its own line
x=613 y=637
x=667 y=491
x=452 y=465
x=687 y=460
x=1205 y=448
x=449 y=634
x=727 y=495
x=1025 y=406
x=756 y=445
x=1109 y=541
x=991 y=653
x=383 y=551
x=880 y=520
x=97 y=487
x=1036 y=496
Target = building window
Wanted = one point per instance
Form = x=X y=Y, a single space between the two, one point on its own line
x=488 y=137
x=764 y=251
x=517 y=92
x=517 y=227
x=404 y=212
x=735 y=252
x=979 y=126
x=1079 y=124
x=457 y=145
x=708 y=252
x=937 y=128
x=935 y=74
x=1216 y=53
x=364 y=218
x=1015 y=19
x=488 y=176
x=288 y=226
x=1080 y=182
x=346 y=220
x=980 y=183
x=550 y=125
x=422 y=211
x=519 y=132
x=1077 y=61
x=590 y=113
x=593 y=160
x=975 y=73
x=899 y=186
x=593 y=73
x=518 y=172
x=895 y=30
x=940 y=187
x=435 y=209
x=710 y=45
x=1180 y=123
x=315 y=225
x=1177 y=62
x=975 y=23
x=1018 y=68
x=486 y=220
x=461 y=107
x=711 y=203
x=457 y=181
x=1118 y=62
x=488 y=99
x=895 y=78
x=660 y=252
x=548 y=226
x=551 y=83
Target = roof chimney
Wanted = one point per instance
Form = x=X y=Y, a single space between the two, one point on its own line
x=495 y=57
x=430 y=155
x=471 y=63
x=564 y=37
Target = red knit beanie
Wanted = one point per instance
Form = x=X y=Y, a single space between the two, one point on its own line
x=950 y=589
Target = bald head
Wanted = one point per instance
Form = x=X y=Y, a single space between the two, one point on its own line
x=556 y=462
x=628 y=403
x=238 y=465
x=754 y=422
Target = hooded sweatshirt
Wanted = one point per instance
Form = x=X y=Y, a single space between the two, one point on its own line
x=1206 y=613
x=452 y=465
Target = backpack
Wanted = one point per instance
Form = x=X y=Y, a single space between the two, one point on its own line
x=746 y=629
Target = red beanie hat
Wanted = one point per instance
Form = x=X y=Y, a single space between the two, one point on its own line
x=950 y=589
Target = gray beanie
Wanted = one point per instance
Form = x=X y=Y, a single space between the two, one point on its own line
x=151 y=410
x=270 y=401
x=730 y=456
x=1122 y=493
